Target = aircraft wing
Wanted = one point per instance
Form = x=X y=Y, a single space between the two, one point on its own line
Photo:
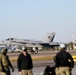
x=52 y=44
x=34 y=43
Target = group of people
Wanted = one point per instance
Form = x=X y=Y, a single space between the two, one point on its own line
x=63 y=62
x=24 y=63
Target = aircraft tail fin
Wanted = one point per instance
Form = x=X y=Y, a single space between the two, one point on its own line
x=49 y=37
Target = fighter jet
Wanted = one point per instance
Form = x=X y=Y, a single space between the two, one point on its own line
x=33 y=44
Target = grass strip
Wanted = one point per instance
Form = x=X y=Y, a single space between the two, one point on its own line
x=37 y=58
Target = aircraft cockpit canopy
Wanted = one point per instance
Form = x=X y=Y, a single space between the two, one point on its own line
x=10 y=39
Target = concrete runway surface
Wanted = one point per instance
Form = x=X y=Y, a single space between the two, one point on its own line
x=39 y=67
x=39 y=70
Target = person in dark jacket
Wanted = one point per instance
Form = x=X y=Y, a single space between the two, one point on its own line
x=64 y=62
x=24 y=63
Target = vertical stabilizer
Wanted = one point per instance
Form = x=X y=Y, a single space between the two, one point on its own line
x=49 y=37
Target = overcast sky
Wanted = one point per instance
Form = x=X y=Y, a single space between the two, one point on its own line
x=33 y=19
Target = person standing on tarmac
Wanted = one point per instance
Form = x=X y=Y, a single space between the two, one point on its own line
x=64 y=61
x=5 y=63
x=24 y=63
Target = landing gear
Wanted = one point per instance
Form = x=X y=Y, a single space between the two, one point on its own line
x=34 y=50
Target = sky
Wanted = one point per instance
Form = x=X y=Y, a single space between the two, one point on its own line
x=33 y=19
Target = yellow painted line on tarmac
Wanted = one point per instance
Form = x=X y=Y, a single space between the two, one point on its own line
x=43 y=58
x=74 y=57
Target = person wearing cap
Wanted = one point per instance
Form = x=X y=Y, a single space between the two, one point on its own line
x=24 y=63
x=63 y=61
x=5 y=63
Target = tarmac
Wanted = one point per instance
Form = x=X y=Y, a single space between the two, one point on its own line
x=39 y=70
x=39 y=67
x=36 y=71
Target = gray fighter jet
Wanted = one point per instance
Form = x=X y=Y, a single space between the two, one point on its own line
x=34 y=45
